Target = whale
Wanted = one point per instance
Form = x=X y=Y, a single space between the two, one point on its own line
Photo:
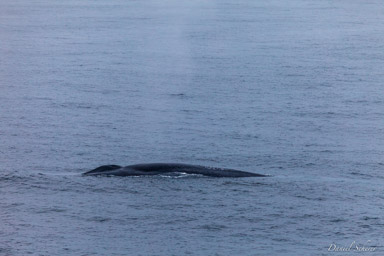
x=167 y=168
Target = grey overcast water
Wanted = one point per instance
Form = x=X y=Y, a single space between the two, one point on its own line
x=293 y=89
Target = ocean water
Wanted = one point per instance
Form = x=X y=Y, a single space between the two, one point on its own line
x=292 y=89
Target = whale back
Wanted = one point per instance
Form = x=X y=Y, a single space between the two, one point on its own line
x=104 y=168
x=161 y=168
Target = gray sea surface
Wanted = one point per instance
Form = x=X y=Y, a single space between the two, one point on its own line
x=293 y=89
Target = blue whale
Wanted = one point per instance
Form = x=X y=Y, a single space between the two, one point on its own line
x=167 y=168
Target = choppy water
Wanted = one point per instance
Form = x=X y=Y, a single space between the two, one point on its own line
x=293 y=89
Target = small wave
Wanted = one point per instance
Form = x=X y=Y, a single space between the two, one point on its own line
x=369 y=218
x=213 y=227
x=177 y=94
x=5 y=251
x=362 y=175
x=16 y=177
x=51 y=210
x=337 y=220
x=98 y=219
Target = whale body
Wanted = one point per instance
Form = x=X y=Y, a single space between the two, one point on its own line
x=167 y=168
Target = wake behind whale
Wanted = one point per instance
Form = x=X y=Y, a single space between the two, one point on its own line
x=168 y=168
